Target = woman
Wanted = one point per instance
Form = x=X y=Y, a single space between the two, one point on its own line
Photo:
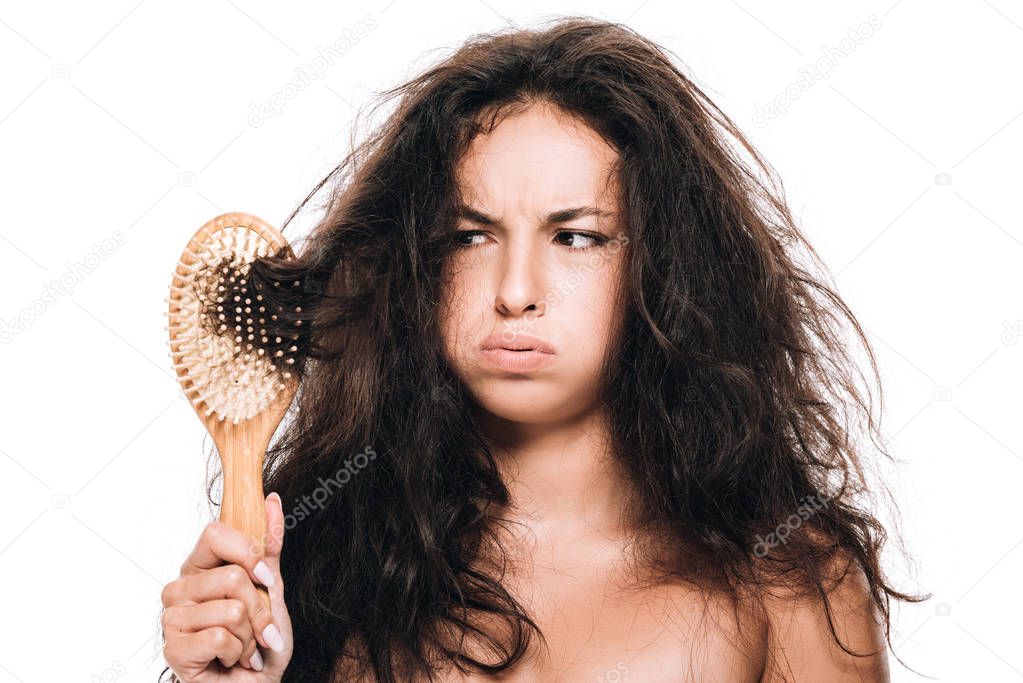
x=664 y=488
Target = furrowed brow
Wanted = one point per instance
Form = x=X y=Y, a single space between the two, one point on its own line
x=561 y=216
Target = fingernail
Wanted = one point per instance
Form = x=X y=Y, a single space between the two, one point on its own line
x=273 y=638
x=264 y=574
x=256 y=661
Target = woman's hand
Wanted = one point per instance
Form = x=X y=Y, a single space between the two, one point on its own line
x=214 y=617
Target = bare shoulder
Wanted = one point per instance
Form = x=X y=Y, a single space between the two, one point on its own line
x=800 y=642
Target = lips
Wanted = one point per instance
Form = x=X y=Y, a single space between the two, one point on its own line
x=517 y=353
x=516 y=342
x=522 y=361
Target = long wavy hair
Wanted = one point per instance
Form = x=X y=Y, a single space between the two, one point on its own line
x=732 y=397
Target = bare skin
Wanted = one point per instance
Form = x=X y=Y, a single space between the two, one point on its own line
x=601 y=625
x=601 y=629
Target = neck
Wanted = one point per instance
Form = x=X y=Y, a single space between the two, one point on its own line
x=562 y=479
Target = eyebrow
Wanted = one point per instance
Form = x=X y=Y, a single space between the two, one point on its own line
x=553 y=218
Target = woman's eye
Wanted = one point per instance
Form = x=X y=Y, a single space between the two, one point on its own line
x=463 y=239
x=594 y=240
x=461 y=235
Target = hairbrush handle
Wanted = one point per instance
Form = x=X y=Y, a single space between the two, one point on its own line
x=243 y=507
x=242 y=449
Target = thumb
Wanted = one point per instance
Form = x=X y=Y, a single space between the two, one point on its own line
x=272 y=558
x=273 y=541
x=272 y=550
x=274 y=530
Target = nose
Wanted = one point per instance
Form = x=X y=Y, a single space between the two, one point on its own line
x=521 y=282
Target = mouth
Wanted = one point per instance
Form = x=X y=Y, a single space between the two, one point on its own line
x=517 y=360
x=517 y=352
x=519 y=343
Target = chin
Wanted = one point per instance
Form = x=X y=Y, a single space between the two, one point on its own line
x=520 y=400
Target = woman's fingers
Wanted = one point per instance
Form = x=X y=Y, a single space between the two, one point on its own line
x=179 y=620
x=191 y=653
x=215 y=616
x=226 y=584
x=219 y=543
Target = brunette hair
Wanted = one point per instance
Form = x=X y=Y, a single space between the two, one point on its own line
x=733 y=398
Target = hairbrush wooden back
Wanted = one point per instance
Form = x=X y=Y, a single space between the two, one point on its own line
x=237 y=375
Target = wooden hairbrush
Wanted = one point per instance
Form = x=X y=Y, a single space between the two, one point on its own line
x=234 y=363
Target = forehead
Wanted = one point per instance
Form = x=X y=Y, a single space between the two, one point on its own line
x=538 y=159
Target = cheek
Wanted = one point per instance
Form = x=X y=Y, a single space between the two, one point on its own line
x=456 y=317
x=593 y=311
x=597 y=308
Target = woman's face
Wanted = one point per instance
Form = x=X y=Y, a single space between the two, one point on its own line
x=525 y=265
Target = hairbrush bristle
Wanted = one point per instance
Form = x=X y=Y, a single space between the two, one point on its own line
x=227 y=362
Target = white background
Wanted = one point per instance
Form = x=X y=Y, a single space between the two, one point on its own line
x=133 y=119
